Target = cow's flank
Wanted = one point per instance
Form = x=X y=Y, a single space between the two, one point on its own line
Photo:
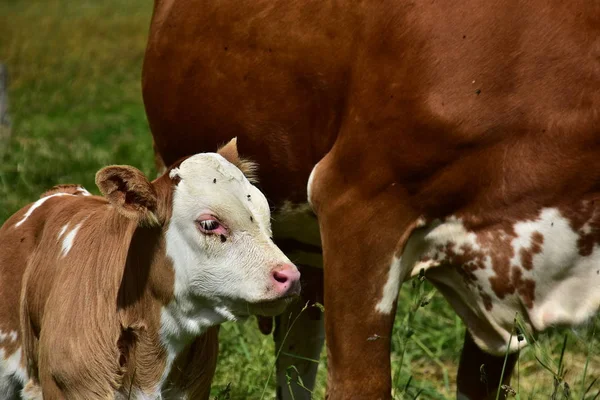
x=481 y=117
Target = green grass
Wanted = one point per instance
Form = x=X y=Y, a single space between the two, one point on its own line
x=76 y=106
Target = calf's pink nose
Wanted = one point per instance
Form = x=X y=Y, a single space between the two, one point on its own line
x=286 y=279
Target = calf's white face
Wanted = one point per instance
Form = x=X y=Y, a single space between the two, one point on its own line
x=219 y=239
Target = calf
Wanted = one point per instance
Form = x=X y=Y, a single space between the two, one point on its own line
x=120 y=296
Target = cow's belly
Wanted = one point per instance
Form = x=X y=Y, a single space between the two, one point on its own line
x=546 y=269
x=296 y=232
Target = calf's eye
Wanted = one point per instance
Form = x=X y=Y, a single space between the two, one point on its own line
x=208 y=225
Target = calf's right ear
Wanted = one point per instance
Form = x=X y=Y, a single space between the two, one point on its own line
x=129 y=191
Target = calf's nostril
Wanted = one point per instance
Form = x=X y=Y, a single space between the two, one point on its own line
x=280 y=276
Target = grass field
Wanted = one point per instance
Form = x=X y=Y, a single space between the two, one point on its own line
x=76 y=106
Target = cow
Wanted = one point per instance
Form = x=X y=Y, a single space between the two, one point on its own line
x=120 y=296
x=458 y=139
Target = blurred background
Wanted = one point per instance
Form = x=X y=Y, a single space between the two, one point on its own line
x=75 y=105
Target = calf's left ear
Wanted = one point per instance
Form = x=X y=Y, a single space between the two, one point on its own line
x=130 y=192
x=249 y=168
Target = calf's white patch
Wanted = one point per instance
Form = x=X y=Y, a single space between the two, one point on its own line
x=67 y=243
x=37 y=204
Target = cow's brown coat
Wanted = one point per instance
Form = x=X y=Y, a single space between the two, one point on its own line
x=485 y=110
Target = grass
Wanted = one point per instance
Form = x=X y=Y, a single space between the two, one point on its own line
x=76 y=106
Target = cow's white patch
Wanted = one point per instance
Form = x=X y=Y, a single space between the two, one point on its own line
x=390 y=289
x=565 y=283
x=310 y=183
x=216 y=278
x=36 y=205
x=408 y=264
x=452 y=231
x=67 y=243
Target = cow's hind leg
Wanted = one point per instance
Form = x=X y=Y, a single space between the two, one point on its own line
x=299 y=336
x=479 y=373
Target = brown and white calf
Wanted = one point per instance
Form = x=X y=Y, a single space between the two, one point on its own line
x=120 y=296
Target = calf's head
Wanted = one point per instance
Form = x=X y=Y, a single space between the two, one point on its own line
x=217 y=233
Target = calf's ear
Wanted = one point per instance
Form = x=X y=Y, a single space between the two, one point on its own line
x=230 y=152
x=129 y=191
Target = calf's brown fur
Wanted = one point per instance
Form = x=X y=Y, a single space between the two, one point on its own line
x=88 y=317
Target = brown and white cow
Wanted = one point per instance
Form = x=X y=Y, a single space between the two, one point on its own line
x=120 y=296
x=458 y=137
